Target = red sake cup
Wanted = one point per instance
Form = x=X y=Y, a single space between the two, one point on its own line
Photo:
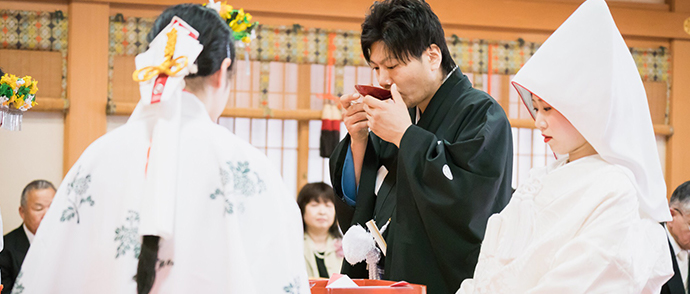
x=376 y=92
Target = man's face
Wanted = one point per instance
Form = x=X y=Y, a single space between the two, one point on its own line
x=415 y=79
x=37 y=203
x=679 y=228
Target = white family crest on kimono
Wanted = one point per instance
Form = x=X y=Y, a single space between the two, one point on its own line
x=591 y=225
x=225 y=221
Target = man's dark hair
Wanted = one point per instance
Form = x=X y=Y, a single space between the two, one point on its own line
x=406 y=28
x=681 y=196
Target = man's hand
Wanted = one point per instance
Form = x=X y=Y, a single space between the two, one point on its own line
x=355 y=118
x=388 y=119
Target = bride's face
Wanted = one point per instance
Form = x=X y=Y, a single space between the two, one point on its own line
x=558 y=132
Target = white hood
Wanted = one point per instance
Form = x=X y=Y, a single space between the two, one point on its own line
x=586 y=72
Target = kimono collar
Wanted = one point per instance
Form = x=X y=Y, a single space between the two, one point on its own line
x=586 y=72
x=455 y=78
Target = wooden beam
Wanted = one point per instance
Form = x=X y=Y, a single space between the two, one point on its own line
x=47 y=104
x=303 y=103
x=35 y=5
x=677 y=155
x=663 y=130
x=642 y=20
x=305 y=115
x=87 y=78
x=126 y=108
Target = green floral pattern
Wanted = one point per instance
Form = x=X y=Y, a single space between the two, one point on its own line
x=243 y=182
x=128 y=235
x=18 y=285
x=76 y=191
x=292 y=288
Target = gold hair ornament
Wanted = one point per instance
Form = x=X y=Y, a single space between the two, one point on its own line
x=165 y=68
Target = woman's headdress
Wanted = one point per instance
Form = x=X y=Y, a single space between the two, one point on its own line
x=586 y=72
x=160 y=73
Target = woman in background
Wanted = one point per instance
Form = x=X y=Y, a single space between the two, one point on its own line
x=322 y=239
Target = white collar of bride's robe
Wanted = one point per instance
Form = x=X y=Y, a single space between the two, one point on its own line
x=586 y=72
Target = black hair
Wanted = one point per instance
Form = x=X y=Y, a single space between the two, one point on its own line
x=406 y=28
x=214 y=34
x=681 y=196
x=322 y=193
x=216 y=37
x=2 y=73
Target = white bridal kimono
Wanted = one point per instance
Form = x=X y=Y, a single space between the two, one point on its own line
x=232 y=226
x=591 y=225
x=572 y=228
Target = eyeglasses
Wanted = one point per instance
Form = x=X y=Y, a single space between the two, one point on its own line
x=681 y=214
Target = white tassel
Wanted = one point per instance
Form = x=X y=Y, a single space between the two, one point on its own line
x=359 y=245
x=373 y=258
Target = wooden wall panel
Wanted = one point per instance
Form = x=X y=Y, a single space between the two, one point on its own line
x=657 y=97
x=43 y=66
x=125 y=89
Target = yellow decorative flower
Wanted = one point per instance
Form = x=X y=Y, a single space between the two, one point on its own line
x=240 y=28
x=240 y=14
x=225 y=10
x=246 y=39
x=34 y=88
x=11 y=80
x=249 y=17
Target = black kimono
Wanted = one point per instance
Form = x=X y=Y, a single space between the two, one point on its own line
x=453 y=170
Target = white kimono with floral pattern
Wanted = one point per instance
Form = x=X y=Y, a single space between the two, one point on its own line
x=236 y=230
x=572 y=228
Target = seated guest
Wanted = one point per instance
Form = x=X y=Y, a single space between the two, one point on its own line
x=588 y=222
x=322 y=239
x=35 y=201
x=678 y=232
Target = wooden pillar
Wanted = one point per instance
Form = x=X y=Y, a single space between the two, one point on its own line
x=303 y=102
x=677 y=155
x=87 y=77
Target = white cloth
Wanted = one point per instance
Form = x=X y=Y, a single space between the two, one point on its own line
x=159 y=193
x=586 y=72
x=29 y=234
x=681 y=258
x=572 y=228
x=236 y=230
